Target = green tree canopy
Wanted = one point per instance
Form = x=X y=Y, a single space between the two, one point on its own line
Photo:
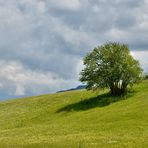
x=111 y=65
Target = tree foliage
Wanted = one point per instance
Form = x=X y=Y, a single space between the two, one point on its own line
x=111 y=65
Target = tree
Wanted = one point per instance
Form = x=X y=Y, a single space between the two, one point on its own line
x=111 y=65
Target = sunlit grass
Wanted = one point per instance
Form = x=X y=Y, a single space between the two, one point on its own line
x=76 y=119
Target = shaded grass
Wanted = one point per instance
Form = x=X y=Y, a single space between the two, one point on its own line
x=98 y=101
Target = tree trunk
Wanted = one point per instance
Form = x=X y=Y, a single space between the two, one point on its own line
x=117 y=89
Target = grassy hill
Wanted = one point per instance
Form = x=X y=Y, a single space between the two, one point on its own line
x=76 y=119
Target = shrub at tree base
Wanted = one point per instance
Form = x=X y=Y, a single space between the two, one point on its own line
x=111 y=65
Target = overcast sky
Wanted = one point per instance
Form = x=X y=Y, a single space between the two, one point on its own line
x=42 y=42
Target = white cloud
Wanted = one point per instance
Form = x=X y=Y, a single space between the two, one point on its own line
x=22 y=80
x=142 y=57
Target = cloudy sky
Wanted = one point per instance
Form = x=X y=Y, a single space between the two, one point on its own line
x=42 y=42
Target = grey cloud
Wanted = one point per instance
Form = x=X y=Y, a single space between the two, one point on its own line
x=125 y=20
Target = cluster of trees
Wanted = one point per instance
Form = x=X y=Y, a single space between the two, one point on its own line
x=111 y=65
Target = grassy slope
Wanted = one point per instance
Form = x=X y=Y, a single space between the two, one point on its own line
x=76 y=119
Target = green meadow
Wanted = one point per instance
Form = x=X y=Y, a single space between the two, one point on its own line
x=77 y=119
